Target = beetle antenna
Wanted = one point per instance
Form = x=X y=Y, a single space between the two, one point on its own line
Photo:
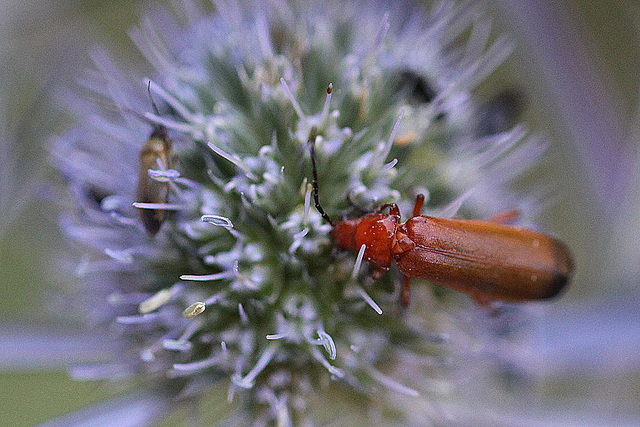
x=158 y=129
x=314 y=171
x=155 y=107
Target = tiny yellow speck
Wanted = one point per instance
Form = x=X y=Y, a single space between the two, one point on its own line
x=194 y=309
x=156 y=301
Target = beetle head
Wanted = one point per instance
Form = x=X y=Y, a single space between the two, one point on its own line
x=344 y=234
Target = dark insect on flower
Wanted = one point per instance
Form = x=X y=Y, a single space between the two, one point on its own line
x=151 y=190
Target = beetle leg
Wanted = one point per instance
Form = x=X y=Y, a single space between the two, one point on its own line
x=482 y=299
x=393 y=209
x=405 y=291
x=505 y=218
x=418 y=206
x=487 y=303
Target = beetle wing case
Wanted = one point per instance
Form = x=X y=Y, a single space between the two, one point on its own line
x=477 y=257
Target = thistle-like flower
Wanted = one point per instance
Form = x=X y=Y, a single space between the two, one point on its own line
x=205 y=262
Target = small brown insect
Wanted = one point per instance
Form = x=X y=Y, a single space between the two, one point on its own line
x=155 y=154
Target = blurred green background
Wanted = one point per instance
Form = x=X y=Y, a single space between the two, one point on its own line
x=46 y=45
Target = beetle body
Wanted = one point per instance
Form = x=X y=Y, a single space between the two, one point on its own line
x=156 y=153
x=487 y=260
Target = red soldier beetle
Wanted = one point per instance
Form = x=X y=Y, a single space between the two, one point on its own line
x=485 y=259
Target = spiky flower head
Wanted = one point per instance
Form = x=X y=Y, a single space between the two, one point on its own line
x=240 y=285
